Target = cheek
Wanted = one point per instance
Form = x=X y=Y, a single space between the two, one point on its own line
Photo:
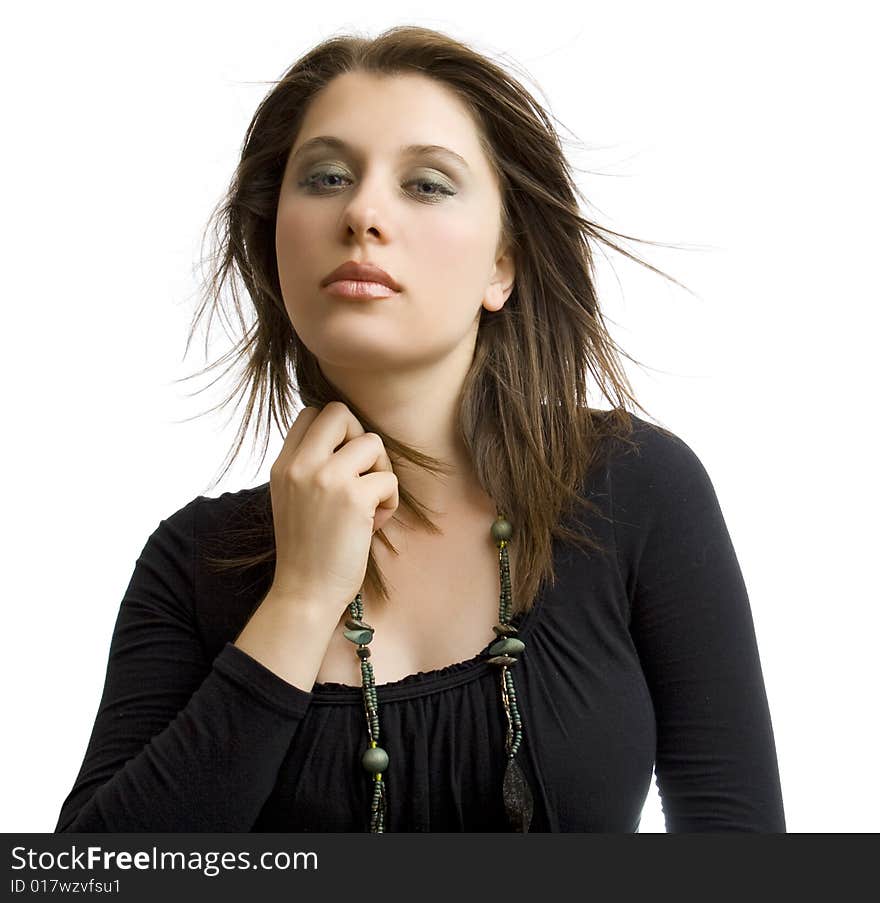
x=295 y=241
x=454 y=252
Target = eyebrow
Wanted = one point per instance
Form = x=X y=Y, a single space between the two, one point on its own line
x=410 y=150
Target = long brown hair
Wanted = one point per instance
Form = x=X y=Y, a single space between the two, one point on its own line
x=524 y=416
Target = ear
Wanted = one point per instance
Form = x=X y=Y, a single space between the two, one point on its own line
x=501 y=285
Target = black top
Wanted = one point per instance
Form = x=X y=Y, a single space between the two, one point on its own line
x=647 y=654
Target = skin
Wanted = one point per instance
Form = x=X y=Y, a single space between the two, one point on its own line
x=403 y=359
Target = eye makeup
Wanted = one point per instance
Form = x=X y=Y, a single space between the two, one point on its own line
x=330 y=142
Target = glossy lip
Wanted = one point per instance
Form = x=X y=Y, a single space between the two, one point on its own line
x=356 y=288
x=360 y=272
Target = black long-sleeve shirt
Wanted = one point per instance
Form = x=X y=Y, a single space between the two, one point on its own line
x=645 y=658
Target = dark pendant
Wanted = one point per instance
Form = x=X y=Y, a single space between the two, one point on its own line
x=504 y=629
x=518 y=802
x=357 y=624
x=502 y=660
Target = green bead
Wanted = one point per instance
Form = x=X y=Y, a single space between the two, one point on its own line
x=359 y=636
x=508 y=646
x=502 y=529
x=375 y=759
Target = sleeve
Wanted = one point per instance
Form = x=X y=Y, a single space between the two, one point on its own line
x=180 y=743
x=692 y=626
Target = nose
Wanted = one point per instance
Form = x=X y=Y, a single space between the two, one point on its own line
x=361 y=214
x=363 y=224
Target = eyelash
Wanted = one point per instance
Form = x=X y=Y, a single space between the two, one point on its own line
x=443 y=190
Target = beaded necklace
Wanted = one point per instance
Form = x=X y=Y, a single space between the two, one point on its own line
x=517 y=796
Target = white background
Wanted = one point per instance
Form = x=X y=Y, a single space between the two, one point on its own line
x=744 y=131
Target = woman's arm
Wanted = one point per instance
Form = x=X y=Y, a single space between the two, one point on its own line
x=180 y=743
x=692 y=625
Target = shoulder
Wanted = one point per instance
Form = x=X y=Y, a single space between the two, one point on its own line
x=666 y=516
x=656 y=473
x=203 y=517
x=237 y=523
x=231 y=508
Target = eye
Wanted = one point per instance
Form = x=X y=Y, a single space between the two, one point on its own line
x=314 y=183
x=315 y=179
x=439 y=187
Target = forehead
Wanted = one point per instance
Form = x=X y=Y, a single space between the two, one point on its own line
x=384 y=113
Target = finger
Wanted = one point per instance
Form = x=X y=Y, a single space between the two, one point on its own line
x=362 y=455
x=298 y=429
x=334 y=427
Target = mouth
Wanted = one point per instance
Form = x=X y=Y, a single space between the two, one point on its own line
x=361 y=271
x=358 y=288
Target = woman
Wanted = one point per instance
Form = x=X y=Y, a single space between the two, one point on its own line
x=405 y=225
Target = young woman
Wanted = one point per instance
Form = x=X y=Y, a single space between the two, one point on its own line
x=552 y=607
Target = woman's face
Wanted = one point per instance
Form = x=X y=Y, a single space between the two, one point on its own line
x=430 y=221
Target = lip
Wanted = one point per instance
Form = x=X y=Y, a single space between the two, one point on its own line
x=356 y=288
x=353 y=271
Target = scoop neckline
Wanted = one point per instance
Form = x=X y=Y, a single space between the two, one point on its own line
x=424 y=683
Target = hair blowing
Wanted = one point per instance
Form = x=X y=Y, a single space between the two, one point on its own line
x=524 y=416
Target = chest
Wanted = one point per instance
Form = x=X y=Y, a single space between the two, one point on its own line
x=443 y=599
